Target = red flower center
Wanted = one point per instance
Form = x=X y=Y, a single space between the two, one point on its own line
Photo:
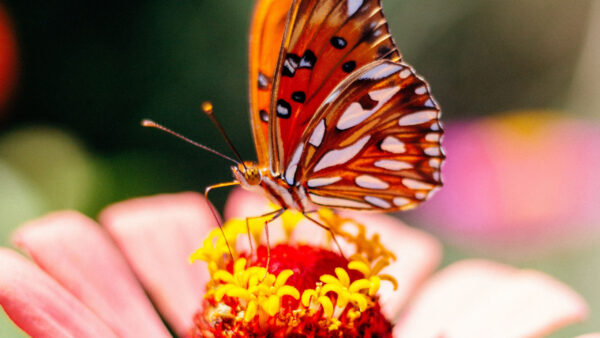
x=224 y=316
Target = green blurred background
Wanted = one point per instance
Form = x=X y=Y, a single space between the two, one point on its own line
x=88 y=72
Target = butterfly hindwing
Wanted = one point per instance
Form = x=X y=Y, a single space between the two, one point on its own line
x=374 y=144
x=325 y=41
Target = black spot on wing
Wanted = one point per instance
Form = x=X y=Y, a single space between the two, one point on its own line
x=299 y=96
x=338 y=42
x=349 y=66
x=290 y=64
x=263 y=81
x=284 y=109
x=264 y=116
x=308 y=60
x=383 y=51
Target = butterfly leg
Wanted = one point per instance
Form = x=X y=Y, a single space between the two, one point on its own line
x=248 y=226
x=324 y=226
x=212 y=210
x=276 y=216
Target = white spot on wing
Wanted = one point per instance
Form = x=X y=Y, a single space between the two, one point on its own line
x=262 y=81
x=432 y=137
x=355 y=115
x=353 y=6
x=421 y=90
x=281 y=110
x=317 y=136
x=405 y=73
x=433 y=192
x=433 y=151
x=370 y=182
x=418 y=117
x=337 y=202
x=376 y=201
x=381 y=71
x=393 y=145
x=435 y=163
x=290 y=172
x=421 y=195
x=401 y=201
x=332 y=97
x=393 y=165
x=343 y=155
x=322 y=181
x=415 y=185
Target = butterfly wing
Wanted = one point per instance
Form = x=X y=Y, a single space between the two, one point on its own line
x=266 y=33
x=324 y=42
x=374 y=143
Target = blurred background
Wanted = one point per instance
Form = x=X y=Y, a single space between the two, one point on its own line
x=518 y=82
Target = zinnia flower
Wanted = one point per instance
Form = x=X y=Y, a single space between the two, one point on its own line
x=87 y=280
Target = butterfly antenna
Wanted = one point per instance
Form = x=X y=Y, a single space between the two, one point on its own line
x=152 y=124
x=207 y=108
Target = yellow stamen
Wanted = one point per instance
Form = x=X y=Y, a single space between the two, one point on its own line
x=327 y=306
x=307 y=295
x=375 y=284
x=251 y=311
x=342 y=276
x=361 y=267
x=287 y=290
x=359 y=285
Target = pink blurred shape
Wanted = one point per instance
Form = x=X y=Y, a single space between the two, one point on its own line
x=523 y=181
x=72 y=248
x=40 y=306
x=82 y=285
x=157 y=235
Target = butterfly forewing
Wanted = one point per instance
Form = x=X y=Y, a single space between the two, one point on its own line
x=266 y=33
x=326 y=41
x=374 y=144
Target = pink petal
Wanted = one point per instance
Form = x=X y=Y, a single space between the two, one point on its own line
x=76 y=252
x=484 y=299
x=418 y=253
x=40 y=306
x=242 y=203
x=417 y=256
x=157 y=235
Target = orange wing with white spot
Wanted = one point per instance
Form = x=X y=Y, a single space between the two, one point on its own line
x=266 y=34
x=324 y=42
x=373 y=144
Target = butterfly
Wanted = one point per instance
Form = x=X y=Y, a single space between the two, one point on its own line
x=338 y=119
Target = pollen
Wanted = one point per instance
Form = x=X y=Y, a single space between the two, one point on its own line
x=308 y=289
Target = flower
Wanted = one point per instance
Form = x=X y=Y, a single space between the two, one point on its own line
x=87 y=280
x=526 y=181
x=8 y=58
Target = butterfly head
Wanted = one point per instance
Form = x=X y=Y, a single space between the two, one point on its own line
x=248 y=174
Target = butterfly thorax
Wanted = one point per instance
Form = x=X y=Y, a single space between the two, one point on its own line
x=254 y=177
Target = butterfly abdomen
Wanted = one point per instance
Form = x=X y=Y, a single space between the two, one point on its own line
x=288 y=197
